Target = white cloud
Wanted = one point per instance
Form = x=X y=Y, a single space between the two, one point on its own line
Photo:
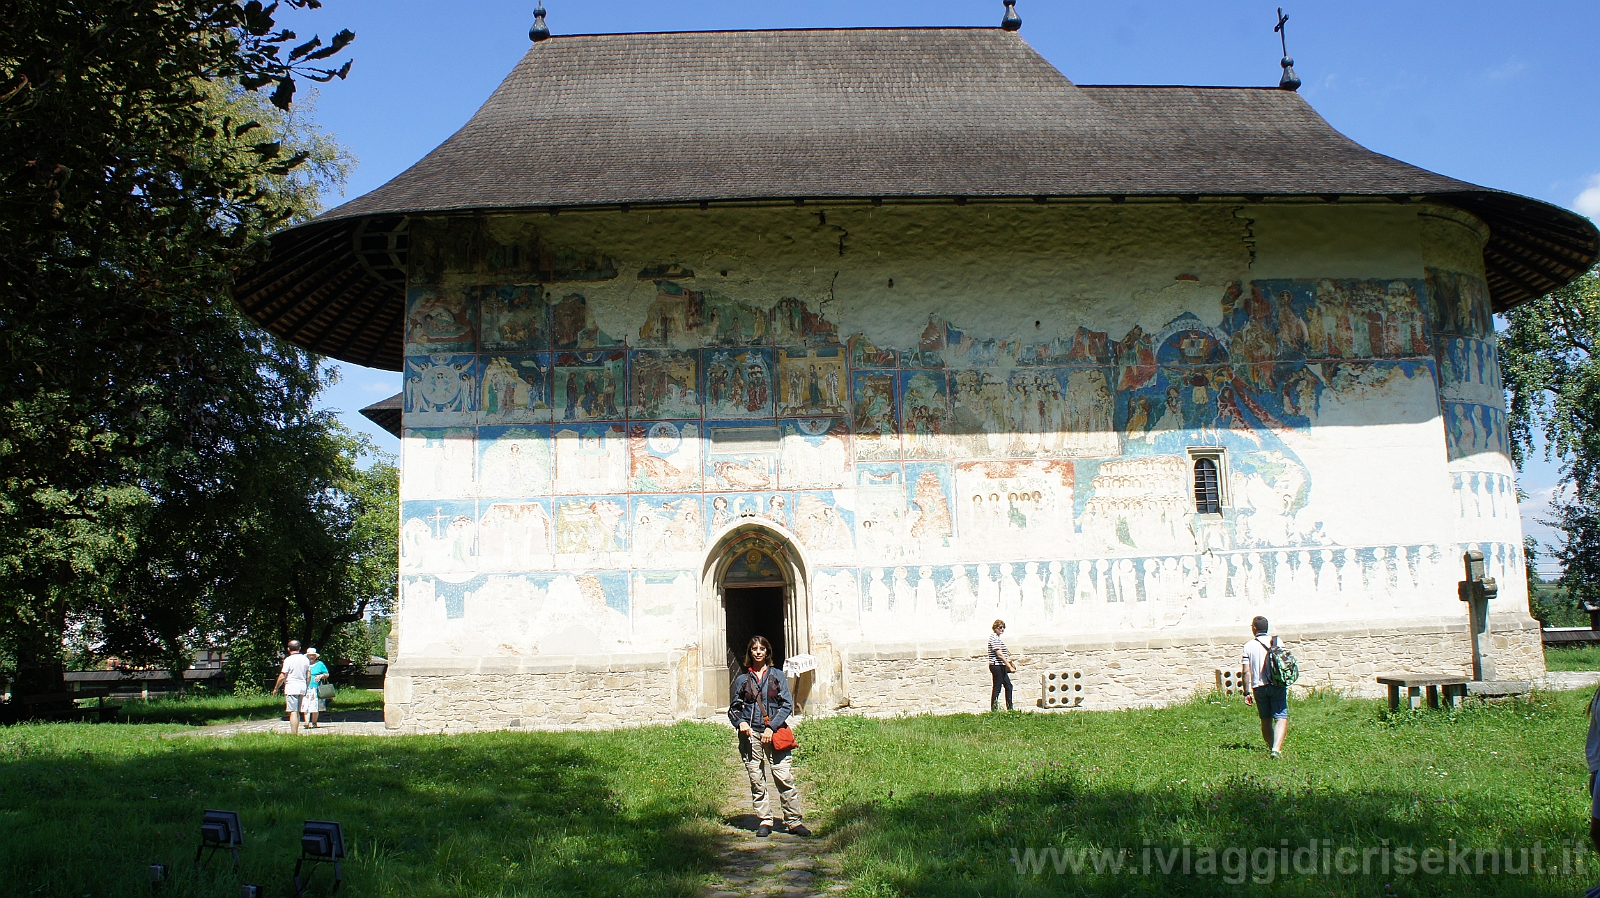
x=1588 y=202
x=1507 y=70
x=1537 y=508
x=1540 y=503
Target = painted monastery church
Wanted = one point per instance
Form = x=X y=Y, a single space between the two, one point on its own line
x=861 y=339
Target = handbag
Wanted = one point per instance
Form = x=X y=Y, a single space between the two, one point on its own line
x=783 y=738
x=326 y=691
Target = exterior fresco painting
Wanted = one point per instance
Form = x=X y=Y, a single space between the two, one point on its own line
x=1472 y=406
x=999 y=439
x=515 y=318
x=969 y=476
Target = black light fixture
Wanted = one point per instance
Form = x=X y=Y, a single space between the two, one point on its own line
x=321 y=842
x=220 y=830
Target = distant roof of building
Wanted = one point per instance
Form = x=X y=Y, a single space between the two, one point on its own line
x=606 y=120
x=386 y=414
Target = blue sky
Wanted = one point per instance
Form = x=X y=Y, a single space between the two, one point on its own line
x=1499 y=94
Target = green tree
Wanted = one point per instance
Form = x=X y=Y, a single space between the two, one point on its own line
x=312 y=548
x=1579 y=553
x=1549 y=366
x=135 y=176
x=157 y=605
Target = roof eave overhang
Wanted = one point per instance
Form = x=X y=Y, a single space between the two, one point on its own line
x=386 y=414
x=316 y=291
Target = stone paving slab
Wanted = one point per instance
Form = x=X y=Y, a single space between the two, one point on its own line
x=370 y=722
x=780 y=865
x=333 y=723
x=1571 y=679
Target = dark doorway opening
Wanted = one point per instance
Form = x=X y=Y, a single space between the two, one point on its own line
x=754 y=611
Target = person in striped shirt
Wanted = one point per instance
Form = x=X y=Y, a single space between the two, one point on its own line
x=1000 y=668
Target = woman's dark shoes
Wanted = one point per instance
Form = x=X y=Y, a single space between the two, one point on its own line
x=764 y=830
x=799 y=829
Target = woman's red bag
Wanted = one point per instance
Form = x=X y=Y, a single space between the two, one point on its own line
x=783 y=738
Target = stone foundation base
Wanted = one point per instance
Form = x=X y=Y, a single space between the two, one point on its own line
x=546 y=693
x=1132 y=673
x=543 y=693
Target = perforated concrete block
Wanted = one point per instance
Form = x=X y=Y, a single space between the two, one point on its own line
x=1229 y=682
x=1061 y=688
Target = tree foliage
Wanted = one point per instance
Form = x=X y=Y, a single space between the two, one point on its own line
x=146 y=151
x=315 y=552
x=1548 y=357
x=1549 y=366
x=1579 y=552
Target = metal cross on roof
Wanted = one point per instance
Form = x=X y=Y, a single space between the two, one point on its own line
x=1289 y=81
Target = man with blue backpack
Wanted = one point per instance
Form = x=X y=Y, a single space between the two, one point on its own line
x=1268 y=672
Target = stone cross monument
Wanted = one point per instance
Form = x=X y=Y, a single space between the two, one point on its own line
x=1476 y=591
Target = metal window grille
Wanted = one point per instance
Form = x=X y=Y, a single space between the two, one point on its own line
x=1207 y=487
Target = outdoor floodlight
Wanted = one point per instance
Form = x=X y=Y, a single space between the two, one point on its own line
x=321 y=842
x=220 y=830
x=158 y=875
x=251 y=892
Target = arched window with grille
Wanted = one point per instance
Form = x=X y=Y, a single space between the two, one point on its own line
x=1207 y=486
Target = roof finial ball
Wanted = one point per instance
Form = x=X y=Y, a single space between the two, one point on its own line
x=1289 y=81
x=540 y=31
x=1012 y=21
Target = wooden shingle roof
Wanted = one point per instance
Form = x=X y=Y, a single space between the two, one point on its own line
x=386 y=413
x=591 y=121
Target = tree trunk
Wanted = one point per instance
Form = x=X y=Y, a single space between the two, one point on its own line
x=178 y=662
x=339 y=620
x=41 y=670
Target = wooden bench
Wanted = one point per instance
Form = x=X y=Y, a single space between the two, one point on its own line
x=47 y=698
x=140 y=683
x=1452 y=686
x=39 y=707
x=1569 y=635
x=98 y=693
x=62 y=698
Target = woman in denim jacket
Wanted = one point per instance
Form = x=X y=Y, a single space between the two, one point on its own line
x=760 y=705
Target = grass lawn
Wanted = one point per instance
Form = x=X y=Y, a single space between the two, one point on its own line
x=200 y=709
x=940 y=805
x=914 y=806
x=86 y=808
x=1578 y=657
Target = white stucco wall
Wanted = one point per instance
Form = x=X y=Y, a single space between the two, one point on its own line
x=1057 y=362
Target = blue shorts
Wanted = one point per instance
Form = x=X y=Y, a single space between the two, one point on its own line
x=1272 y=702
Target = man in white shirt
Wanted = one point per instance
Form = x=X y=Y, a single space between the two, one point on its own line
x=294 y=679
x=1272 y=702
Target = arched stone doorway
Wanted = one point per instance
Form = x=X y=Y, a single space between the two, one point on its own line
x=754 y=583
